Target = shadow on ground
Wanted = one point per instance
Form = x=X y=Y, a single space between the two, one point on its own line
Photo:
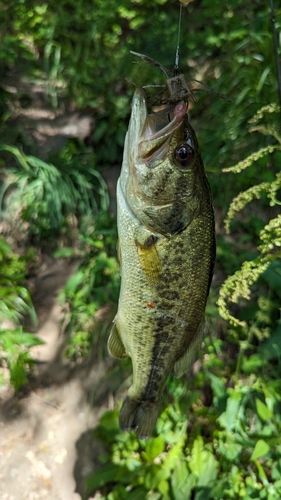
x=47 y=446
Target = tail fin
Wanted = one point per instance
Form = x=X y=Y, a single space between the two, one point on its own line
x=139 y=416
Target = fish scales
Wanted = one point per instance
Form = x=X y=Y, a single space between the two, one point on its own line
x=167 y=249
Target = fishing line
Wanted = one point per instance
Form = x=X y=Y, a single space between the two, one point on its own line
x=176 y=67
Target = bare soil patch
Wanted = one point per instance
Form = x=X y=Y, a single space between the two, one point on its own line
x=47 y=446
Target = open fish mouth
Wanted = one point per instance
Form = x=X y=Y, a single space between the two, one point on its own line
x=157 y=132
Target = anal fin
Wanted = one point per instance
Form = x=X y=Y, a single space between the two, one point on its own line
x=184 y=363
x=115 y=345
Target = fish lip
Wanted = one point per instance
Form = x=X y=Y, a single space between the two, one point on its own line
x=154 y=144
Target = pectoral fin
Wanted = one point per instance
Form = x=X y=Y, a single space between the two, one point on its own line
x=185 y=362
x=115 y=345
x=149 y=258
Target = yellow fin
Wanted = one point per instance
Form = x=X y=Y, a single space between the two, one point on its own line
x=185 y=362
x=115 y=345
x=149 y=258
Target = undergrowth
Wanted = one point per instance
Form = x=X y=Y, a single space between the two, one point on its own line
x=227 y=449
x=15 y=304
x=239 y=285
x=44 y=196
x=94 y=285
x=218 y=434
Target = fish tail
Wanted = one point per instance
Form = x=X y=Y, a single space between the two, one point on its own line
x=139 y=416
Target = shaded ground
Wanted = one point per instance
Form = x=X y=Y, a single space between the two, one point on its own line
x=47 y=446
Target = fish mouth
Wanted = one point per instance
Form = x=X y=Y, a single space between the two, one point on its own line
x=157 y=132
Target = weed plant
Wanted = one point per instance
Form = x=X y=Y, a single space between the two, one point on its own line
x=94 y=285
x=15 y=303
x=44 y=195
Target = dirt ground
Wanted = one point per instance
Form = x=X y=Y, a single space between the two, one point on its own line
x=47 y=446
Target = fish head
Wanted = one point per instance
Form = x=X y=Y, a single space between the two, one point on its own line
x=162 y=174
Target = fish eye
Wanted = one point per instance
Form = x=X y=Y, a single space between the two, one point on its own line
x=184 y=154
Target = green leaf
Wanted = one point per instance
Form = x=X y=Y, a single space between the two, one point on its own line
x=155 y=476
x=74 y=282
x=202 y=494
x=163 y=486
x=182 y=481
x=30 y=340
x=218 y=490
x=133 y=463
x=263 y=78
x=260 y=450
x=64 y=253
x=203 y=463
x=17 y=373
x=177 y=449
x=217 y=384
x=262 y=473
x=252 y=364
x=263 y=411
x=155 y=495
x=136 y=494
x=154 y=447
x=271 y=348
x=229 y=417
x=276 y=470
x=109 y=420
x=231 y=451
x=102 y=476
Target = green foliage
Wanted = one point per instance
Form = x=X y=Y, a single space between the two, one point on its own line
x=239 y=284
x=15 y=303
x=46 y=195
x=16 y=345
x=15 y=299
x=220 y=439
x=95 y=283
x=230 y=450
x=82 y=49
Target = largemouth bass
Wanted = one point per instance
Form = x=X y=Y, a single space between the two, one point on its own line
x=166 y=250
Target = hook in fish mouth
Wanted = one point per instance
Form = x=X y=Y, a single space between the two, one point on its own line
x=157 y=132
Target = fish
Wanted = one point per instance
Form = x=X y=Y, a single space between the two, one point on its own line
x=166 y=248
